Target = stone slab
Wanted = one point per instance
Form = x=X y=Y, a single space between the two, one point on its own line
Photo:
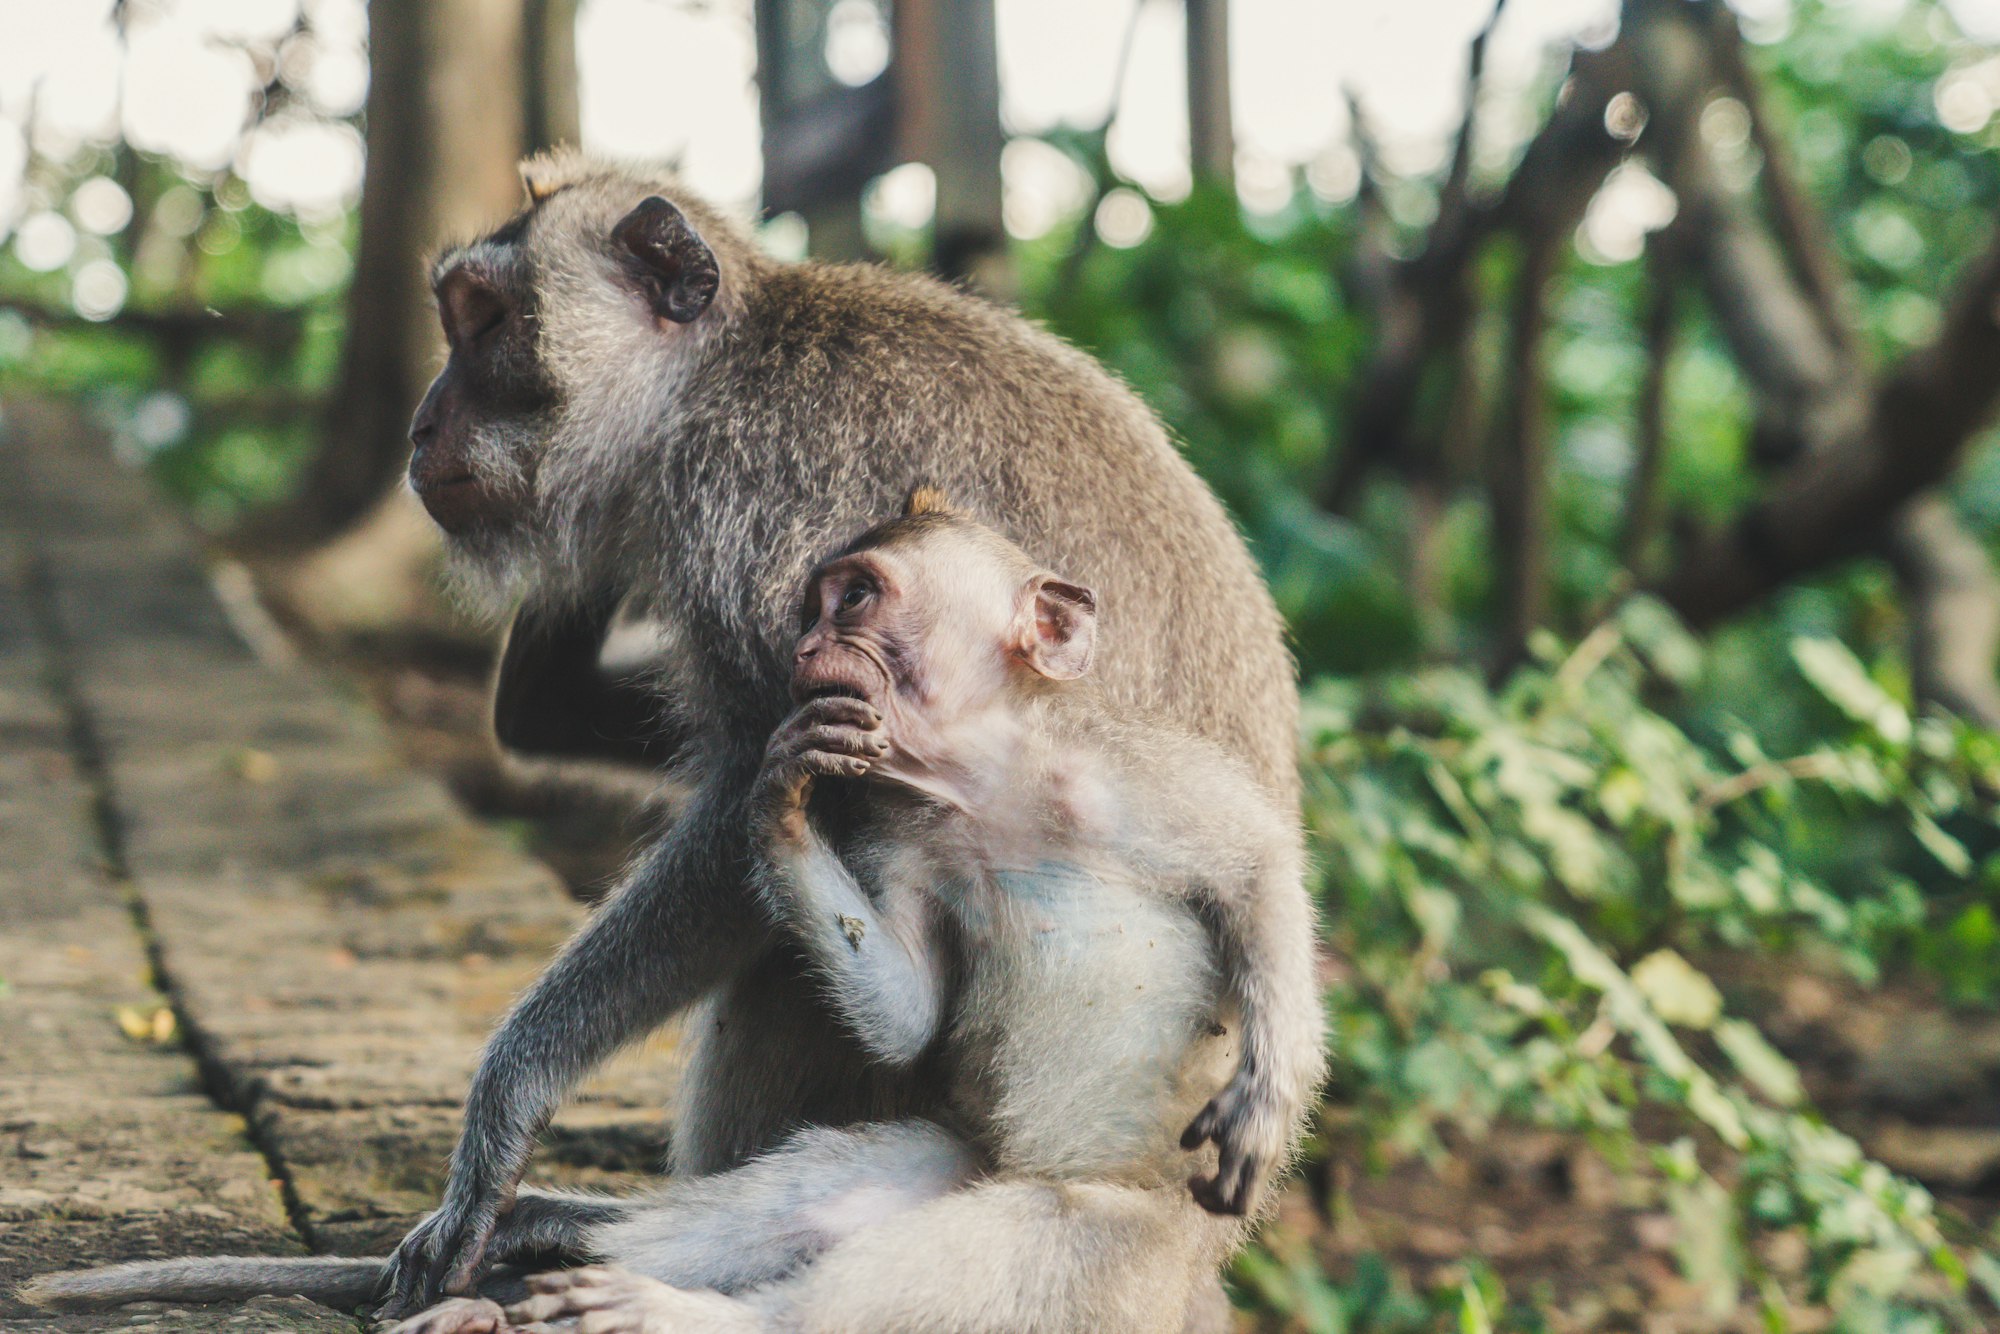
x=109 y=1147
x=336 y=935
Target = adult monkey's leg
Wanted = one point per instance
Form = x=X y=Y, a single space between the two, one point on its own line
x=680 y=923
x=1011 y=1255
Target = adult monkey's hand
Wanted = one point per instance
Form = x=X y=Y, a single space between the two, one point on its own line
x=441 y=1256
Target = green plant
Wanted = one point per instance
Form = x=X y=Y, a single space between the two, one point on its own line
x=1516 y=882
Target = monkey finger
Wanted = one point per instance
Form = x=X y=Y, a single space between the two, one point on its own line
x=538 y=1310
x=456 y=1273
x=1236 y=1178
x=396 y=1304
x=459 y=1315
x=842 y=739
x=1204 y=1192
x=835 y=766
x=1226 y=1193
x=570 y=1301
x=841 y=709
x=410 y=1287
x=551 y=1306
x=559 y=1280
x=1213 y=1197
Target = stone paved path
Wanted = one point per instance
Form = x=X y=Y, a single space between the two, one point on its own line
x=248 y=956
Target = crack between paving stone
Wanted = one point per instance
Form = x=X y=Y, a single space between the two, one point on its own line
x=87 y=749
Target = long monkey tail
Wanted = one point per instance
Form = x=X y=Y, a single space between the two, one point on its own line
x=329 y=1280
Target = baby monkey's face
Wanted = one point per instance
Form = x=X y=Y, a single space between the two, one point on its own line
x=941 y=622
x=856 y=635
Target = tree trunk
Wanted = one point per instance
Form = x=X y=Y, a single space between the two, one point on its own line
x=548 y=74
x=445 y=130
x=947 y=70
x=1519 y=484
x=1952 y=598
x=1211 y=126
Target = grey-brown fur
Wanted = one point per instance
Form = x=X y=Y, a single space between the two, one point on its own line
x=696 y=469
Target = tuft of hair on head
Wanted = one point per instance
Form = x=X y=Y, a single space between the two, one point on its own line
x=550 y=172
x=928 y=514
x=925 y=499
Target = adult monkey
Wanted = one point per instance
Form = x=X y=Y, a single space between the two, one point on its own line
x=639 y=406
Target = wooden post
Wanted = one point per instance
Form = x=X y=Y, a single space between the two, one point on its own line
x=947 y=72
x=1211 y=127
x=549 y=74
x=445 y=131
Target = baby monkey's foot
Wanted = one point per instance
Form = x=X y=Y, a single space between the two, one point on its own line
x=456 y=1315
x=1250 y=1139
x=603 y=1300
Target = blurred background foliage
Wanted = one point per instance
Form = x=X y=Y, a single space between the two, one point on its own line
x=1607 y=856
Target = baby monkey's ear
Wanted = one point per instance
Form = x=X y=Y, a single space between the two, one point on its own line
x=1056 y=627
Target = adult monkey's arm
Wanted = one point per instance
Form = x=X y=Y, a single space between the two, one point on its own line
x=680 y=922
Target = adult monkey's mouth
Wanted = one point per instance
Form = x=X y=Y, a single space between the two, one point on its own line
x=455 y=501
x=828 y=690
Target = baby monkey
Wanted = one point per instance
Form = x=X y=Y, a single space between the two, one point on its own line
x=1054 y=904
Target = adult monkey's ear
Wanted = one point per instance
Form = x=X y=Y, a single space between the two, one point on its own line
x=1055 y=629
x=676 y=269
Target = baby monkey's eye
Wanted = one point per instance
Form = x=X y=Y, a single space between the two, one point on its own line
x=856 y=594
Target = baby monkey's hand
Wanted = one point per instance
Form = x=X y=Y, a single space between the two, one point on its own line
x=832 y=736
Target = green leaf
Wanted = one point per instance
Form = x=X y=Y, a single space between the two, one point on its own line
x=1677 y=991
x=1705 y=1242
x=1873 y=1271
x=1837 y=674
x=1951 y=853
x=1759 y=1062
x=1985 y=1271
x=1657 y=632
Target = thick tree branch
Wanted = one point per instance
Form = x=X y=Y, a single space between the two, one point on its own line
x=1952 y=598
x=1802 y=233
x=1519 y=464
x=1808 y=392
x=1429 y=302
x=1666 y=259
x=1455 y=195
x=268 y=327
x=1832 y=504
x=1780 y=309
